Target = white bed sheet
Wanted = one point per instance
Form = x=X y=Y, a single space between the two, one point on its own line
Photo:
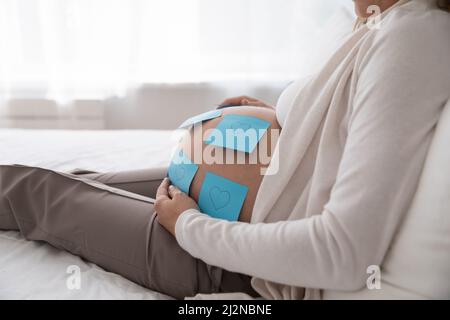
x=35 y=270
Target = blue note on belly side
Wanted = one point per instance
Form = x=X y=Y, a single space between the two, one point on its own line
x=182 y=171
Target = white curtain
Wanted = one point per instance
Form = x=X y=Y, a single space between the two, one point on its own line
x=65 y=49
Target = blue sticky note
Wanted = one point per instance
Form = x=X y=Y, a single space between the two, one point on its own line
x=241 y=133
x=221 y=198
x=201 y=117
x=182 y=171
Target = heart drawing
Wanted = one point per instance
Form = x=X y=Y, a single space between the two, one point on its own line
x=219 y=198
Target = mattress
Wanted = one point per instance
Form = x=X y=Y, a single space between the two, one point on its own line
x=36 y=270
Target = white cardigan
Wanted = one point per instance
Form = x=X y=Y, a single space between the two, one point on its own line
x=352 y=149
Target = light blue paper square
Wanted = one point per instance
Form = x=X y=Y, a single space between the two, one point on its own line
x=221 y=198
x=244 y=133
x=182 y=171
x=201 y=117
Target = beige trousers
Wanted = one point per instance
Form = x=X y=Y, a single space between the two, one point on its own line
x=108 y=219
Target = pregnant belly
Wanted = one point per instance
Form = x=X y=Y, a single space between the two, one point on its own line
x=240 y=167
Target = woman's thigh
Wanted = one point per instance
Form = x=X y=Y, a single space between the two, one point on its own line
x=112 y=228
x=103 y=225
x=143 y=181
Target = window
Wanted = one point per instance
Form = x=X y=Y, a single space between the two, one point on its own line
x=98 y=47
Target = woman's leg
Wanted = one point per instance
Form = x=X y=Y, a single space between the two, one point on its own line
x=113 y=228
x=144 y=181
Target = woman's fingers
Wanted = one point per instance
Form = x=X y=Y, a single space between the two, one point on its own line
x=162 y=195
x=247 y=102
x=230 y=101
x=162 y=192
x=169 y=205
x=243 y=101
x=256 y=103
x=174 y=191
x=235 y=101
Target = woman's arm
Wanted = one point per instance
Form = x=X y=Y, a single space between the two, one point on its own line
x=401 y=89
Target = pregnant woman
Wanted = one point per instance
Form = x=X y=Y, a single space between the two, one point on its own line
x=344 y=170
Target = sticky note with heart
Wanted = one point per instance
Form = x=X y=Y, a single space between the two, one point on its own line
x=222 y=198
x=182 y=171
x=241 y=133
x=200 y=118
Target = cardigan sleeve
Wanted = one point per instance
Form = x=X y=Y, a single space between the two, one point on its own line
x=401 y=88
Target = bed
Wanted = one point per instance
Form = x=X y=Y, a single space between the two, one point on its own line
x=35 y=270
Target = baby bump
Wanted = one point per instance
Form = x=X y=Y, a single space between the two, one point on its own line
x=229 y=170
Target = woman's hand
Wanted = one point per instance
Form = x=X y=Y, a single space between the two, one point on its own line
x=170 y=204
x=244 y=101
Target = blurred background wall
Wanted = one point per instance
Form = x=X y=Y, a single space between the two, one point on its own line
x=116 y=64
